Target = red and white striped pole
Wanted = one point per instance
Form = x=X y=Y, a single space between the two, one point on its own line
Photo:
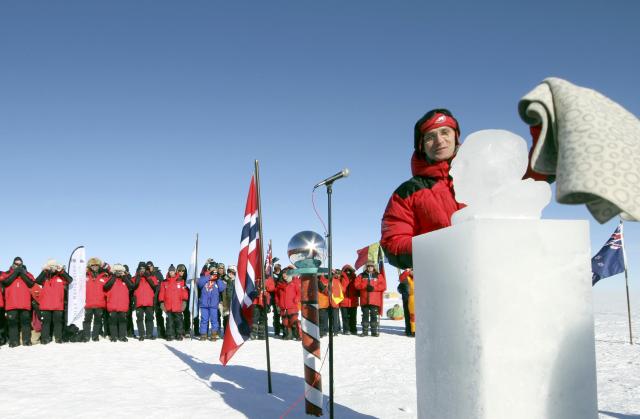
x=311 y=344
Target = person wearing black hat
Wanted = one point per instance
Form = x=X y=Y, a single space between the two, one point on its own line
x=173 y=299
x=132 y=306
x=17 y=282
x=155 y=272
x=372 y=285
x=227 y=294
x=117 y=291
x=144 y=291
x=181 y=270
x=425 y=202
x=275 y=276
x=95 y=302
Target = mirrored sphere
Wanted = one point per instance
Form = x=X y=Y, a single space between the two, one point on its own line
x=307 y=245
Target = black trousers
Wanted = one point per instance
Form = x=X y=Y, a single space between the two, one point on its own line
x=49 y=317
x=349 y=319
x=225 y=321
x=130 y=322
x=96 y=314
x=160 y=321
x=407 y=318
x=175 y=325
x=259 y=321
x=105 y=323
x=324 y=321
x=3 y=327
x=118 y=324
x=144 y=320
x=22 y=317
x=369 y=316
x=186 y=314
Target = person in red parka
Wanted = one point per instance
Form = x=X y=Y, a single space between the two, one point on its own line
x=259 y=316
x=371 y=285
x=95 y=301
x=144 y=290
x=289 y=291
x=173 y=300
x=54 y=281
x=3 y=319
x=17 y=282
x=117 y=291
x=349 y=304
x=425 y=202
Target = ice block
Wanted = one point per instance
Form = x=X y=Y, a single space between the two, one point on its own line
x=504 y=321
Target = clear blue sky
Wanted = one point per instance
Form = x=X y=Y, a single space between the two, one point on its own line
x=128 y=126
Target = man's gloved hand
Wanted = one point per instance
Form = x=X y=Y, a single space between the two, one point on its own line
x=370 y=288
x=162 y=307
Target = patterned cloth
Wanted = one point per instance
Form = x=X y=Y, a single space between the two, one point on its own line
x=590 y=143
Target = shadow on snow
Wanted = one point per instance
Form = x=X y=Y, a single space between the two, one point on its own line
x=246 y=390
x=619 y=415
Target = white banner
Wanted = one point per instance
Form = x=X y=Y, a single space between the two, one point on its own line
x=192 y=278
x=77 y=289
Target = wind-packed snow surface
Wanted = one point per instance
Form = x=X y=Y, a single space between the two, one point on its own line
x=374 y=377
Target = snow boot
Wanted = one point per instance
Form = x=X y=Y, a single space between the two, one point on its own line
x=365 y=329
x=214 y=336
x=254 y=332
x=374 y=329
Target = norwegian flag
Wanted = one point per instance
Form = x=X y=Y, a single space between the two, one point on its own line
x=610 y=259
x=238 y=329
x=268 y=266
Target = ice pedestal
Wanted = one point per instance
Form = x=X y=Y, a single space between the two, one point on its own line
x=504 y=321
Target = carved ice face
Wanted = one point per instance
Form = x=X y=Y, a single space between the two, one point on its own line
x=486 y=161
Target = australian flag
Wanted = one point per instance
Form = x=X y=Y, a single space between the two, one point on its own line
x=238 y=329
x=610 y=259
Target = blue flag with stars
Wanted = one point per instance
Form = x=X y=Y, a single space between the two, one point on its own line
x=610 y=259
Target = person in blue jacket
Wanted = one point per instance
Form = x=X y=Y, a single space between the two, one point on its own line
x=210 y=288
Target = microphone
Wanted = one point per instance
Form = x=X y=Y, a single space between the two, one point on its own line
x=331 y=179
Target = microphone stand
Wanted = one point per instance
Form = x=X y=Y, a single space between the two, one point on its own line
x=330 y=291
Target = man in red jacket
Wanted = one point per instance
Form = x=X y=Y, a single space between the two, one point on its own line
x=144 y=292
x=3 y=338
x=349 y=305
x=173 y=300
x=425 y=202
x=372 y=285
x=54 y=281
x=290 y=304
x=117 y=293
x=17 y=281
x=95 y=302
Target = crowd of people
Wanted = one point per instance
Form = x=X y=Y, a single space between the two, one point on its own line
x=159 y=304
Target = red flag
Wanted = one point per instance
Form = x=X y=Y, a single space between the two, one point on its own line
x=363 y=256
x=238 y=329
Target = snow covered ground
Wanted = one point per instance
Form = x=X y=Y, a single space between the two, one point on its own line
x=374 y=377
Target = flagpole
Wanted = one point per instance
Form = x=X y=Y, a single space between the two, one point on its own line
x=626 y=281
x=262 y=289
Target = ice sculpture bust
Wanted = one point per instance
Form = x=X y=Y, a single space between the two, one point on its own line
x=487 y=176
